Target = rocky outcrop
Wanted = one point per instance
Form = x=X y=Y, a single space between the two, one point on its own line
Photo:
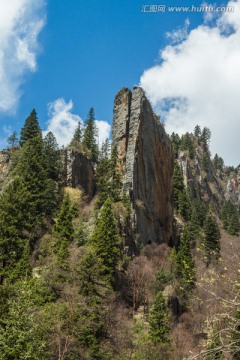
x=206 y=186
x=232 y=187
x=146 y=162
x=78 y=172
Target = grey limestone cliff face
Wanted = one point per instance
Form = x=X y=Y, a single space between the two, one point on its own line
x=146 y=161
x=78 y=172
x=232 y=188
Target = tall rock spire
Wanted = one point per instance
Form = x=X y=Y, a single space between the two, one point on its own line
x=146 y=160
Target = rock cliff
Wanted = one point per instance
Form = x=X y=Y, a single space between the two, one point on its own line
x=78 y=172
x=146 y=162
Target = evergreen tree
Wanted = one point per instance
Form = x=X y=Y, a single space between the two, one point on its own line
x=15 y=220
x=184 y=205
x=52 y=155
x=188 y=144
x=31 y=128
x=31 y=169
x=218 y=162
x=212 y=237
x=92 y=282
x=206 y=136
x=63 y=229
x=181 y=198
x=159 y=321
x=230 y=218
x=13 y=139
x=77 y=137
x=89 y=137
x=185 y=269
x=105 y=239
x=108 y=178
x=197 y=131
x=115 y=176
x=176 y=144
x=205 y=162
x=178 y=184
x=23 y=334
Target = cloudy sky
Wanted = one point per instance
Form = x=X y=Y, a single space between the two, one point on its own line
x=63 y=57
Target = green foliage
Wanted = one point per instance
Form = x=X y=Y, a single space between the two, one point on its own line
x=205 y=137
x=176 y=144
x=108 y=178
x=214 y=344
x=185 y=269
x=197 y=131
x=22 y=331
x=187 y=143
x=15 y=219
x=218 y=162
x=181 y=199
x=63 y=229
x=162 y=278
x=205 y=162
x=230 y=218
x=178 y=184
x=89 y=137
x=92 y=282
x=105 y=239
x=235 y=336
x=159 y=321
x=31 y=168
x=77 y=137
x=53 y=163
x=31 y=128
x=13 y=139
x=212 y=238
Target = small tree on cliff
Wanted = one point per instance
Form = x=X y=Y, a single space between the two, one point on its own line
x=212 y=238
x=89 y=136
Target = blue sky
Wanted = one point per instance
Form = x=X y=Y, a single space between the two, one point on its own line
x=85 y=52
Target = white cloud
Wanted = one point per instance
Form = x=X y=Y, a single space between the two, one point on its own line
x=104 y=129
x=20 y=24
x=62 y=122
x=198 y=82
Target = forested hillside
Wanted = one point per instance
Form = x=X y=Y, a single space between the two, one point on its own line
x=130 y=250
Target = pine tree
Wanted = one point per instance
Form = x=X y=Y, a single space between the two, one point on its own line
x=52 y=155
x=92 y=283
x=89 y=137
x=178 y=184
x=159 y=321
x=212 y=238
x=197 y=131
x=205 y=162
x=185 y=269
x=31 y=128
x=115 y=176
x=206 y=136
x=63 y=229
x=77 y=137
x=176 y=143
x=230 y=218
x=184 y=205
x=31 y=169
x=13 y=140
x=105 y=239
x=23 y=334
